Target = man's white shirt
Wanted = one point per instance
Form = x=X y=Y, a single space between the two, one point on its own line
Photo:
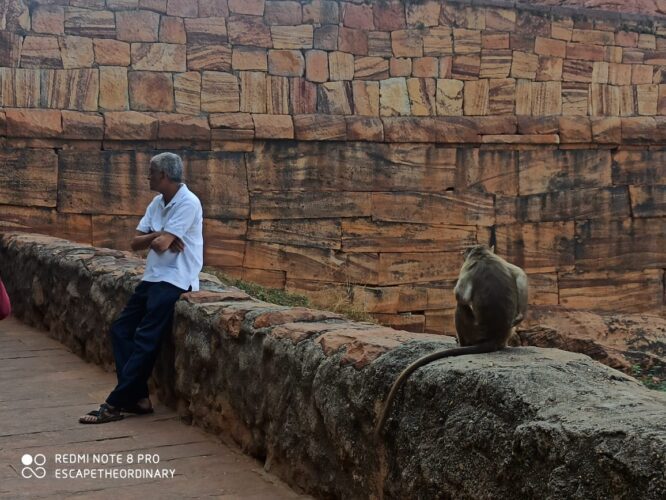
x=182 y=217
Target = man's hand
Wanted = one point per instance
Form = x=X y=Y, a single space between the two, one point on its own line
x=167 y=241
x=177 y=245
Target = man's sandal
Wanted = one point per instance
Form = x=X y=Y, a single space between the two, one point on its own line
x=103 y=415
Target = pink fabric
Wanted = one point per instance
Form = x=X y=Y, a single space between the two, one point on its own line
x=5 y=305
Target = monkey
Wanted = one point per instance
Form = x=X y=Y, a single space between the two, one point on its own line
x=491 y=298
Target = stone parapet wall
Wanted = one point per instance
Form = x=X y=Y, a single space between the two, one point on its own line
x=301 y=389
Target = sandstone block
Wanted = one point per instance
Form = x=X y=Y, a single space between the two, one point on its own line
x=303 y=96
x=316 y=65
x=353 y=41
x=113 y=88
x=249 y=30
x=550 y=47
x=28 y=177
x=151 y=91
x=423 y=14
x=187 y=92
x=277 y=95
x=585 y=52
x=287 y=13
x=633 y=56
x=213 y=8
x=252 y=92
x=494 y=41
x=33 y=123
x=91 y=23
x=159 y=5
x=137 y=25
x=596 y=37
x=111 y=52
x=292 y=37
x=40 y=52
x=219 y=92
x=334 y=98
x=501 y=96
x=76 y=89
x=407 y=43
x=321 y=12
x=391 y=17
x=400 y=67
x=647 y=97
x=425 y=67
x=309 y=205
x=320 y=127
x=286 y=63
x=82 y=126
x=475 y=97
x=538 y=124
x=379 y=44
x=326 y=38
x=158 y=57
x=575 y=130
x=614 y=54
x=500 y=19
x=438 y=41
x=129 y=126
x=539 y=248
x=19 y=88
x=363 y=128
x=550 y=69
x=172 y=30
x=182 y=8
x=641 y=74
x=341 y=66
x=49 y=19
x=611 y=291
x=209 y=57
x=174 y=126
x=366 y=98
x=524 y=65
x=76 y=52
x=357 y=16
x=466 y=41
x=10 y=49
x=394 y=97
x=273 y=126
x=371 y=68
x=577 y=71
x=249 y=58
x=607 y=130
x=648 y=201
x=249 y=7
x=445 y=66
x=211 y=30
x=422 y=96
x=495 y=64
x=626 y=39
x=562 y=29
x=449 y=98
x=574 y=98
x=546 y=98
x=641 y=129
x=111 y=4
x=466 y=67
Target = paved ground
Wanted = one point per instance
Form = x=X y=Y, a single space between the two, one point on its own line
x=43 y=390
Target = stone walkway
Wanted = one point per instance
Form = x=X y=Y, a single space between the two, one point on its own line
x=43 y=390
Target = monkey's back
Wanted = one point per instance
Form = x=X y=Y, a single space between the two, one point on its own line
x=494 y=297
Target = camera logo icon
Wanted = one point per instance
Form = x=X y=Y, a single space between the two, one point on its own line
x=33 y=466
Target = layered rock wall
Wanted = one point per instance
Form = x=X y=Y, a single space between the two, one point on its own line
x=352 y=148
x=301 y=389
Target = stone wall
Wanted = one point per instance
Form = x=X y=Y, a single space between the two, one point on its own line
x=352 y=148
x=301 y=389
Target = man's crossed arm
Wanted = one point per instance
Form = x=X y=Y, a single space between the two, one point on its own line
x=160 y=241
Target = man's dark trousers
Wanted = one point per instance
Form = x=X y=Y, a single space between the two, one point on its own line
x=137 y=335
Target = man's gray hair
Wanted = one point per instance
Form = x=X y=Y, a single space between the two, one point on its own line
x=170 y=164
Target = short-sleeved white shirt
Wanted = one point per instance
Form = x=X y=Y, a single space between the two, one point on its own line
x=182 y=217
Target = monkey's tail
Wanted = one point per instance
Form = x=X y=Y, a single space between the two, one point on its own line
x=428 y=358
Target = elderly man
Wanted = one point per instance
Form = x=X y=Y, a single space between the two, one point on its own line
x=172 y=231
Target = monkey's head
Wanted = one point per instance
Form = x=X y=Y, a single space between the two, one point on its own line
x=476 y=251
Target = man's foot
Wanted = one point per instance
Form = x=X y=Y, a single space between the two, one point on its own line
x=141 y=407
x=106 y=413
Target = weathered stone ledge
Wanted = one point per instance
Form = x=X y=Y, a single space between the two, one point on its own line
x=302 y=388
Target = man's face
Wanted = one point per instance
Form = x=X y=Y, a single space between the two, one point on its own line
x=155 y=177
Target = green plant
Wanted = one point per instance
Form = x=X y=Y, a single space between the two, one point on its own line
x=649 y=378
